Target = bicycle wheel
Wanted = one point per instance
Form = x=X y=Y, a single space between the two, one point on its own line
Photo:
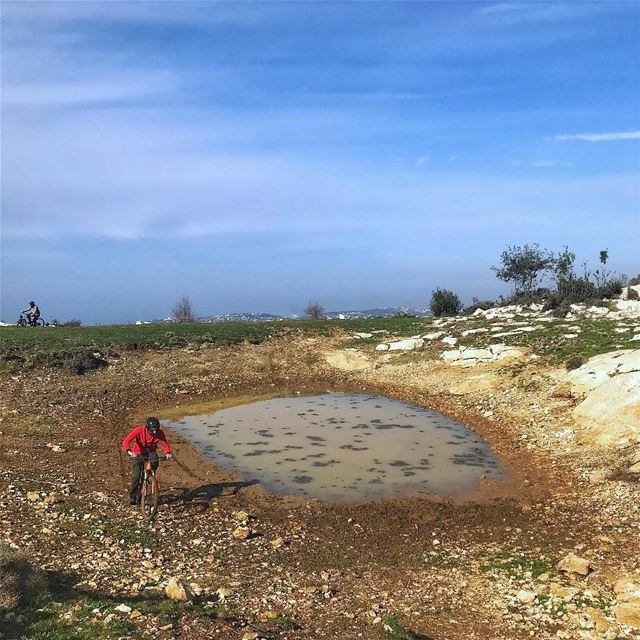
x=149 y=498
x=21 y=323
x=40 y=322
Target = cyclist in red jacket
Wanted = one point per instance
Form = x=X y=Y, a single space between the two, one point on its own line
x=141 y=444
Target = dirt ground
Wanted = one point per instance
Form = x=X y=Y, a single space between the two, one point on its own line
x=477 y=566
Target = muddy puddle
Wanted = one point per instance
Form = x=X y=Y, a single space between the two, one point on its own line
x=342 y=447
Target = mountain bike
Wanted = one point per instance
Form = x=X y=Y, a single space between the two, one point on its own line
x=23 y=322
x=149 y=491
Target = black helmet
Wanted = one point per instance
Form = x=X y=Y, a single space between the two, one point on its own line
x=32 y=304
x=153 y=424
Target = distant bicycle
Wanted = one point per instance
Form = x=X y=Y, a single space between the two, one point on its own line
x=23 y=321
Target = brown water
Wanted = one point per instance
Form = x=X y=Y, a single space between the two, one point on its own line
x=343 y=447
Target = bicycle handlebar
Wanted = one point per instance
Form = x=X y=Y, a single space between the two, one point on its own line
x=142 y=457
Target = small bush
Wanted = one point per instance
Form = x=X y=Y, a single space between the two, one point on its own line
x=538 y=296
x=444 y=303
x=72 y=323
x=77 y=361
x=610 y=288
x=574 y=362
x=632 y=294
x=20 y=581
x=634 y=281
x=576 y=289
x=560 y=311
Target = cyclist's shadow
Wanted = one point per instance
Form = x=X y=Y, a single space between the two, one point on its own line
x=203 y=494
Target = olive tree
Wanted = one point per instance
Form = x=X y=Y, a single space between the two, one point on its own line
x=524 y=266
x=444 y=303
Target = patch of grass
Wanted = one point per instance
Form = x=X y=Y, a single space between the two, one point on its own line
x=72 y=620
x=514 y=565
x=70 y=615
x=440 y=560
x=596 y=336
x=287 y=623
x=392 y=630
x=130 y=532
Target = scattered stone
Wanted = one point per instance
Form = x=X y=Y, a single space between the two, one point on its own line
x=560 y=591
x=241 y=533
x=241 y=516
x=409 y=344
x=572 y=563
x=123 y=608
x=223 y=593
x=175 y=591
x=628 y=613
x=250 y=635
x=56 y=447
x=278 y=542
x=450 y=340
x=525 y=596
x=599 y=476
x=470 y=332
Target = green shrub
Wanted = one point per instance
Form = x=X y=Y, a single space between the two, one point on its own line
x=72 y=323
x=634 y=281
x=561 y=311
x=632 y=294
x=444 y=303
x=576 y=289
x=611 y=288
x=20 y=581
x=77 y=361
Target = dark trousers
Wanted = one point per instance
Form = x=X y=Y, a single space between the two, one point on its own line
x=137 y=468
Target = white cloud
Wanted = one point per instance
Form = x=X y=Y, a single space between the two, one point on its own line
x=601 y=137
x=502 y=7
x=86 y=91
x=423 y=160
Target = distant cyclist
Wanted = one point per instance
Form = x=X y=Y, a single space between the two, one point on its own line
x=141 y=444
x=32 y=313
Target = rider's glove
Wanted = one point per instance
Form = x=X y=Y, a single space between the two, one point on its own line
x=131 y=454
x=168 y=456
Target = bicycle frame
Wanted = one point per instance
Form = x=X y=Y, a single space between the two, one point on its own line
x=148 y=489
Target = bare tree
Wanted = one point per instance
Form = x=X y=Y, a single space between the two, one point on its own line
x=314 y=310
x=183 y=311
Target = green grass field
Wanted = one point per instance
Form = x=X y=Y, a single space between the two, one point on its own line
x=27 y=342
x=80 y=349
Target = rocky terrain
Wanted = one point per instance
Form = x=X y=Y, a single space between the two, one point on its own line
x=552 y=552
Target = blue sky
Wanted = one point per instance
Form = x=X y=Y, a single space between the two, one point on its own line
x=258 y=155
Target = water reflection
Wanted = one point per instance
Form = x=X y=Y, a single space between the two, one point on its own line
x=337 y=446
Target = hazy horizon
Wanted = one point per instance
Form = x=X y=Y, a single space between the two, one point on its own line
x=258 y=155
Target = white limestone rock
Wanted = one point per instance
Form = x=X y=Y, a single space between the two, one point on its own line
x=409 y=344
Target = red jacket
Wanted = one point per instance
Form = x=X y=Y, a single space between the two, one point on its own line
x=141 y=441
